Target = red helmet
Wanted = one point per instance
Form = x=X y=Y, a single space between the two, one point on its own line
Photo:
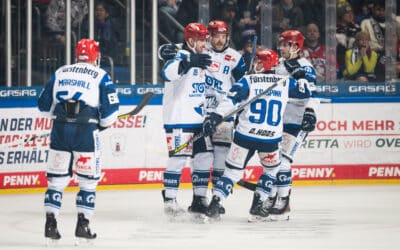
x=87 y=50
x=292 y=36
x=269 y=59
x=195 y=31
x=218 y=27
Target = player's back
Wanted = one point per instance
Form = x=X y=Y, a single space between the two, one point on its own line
x=79 y=81
x=262 y=119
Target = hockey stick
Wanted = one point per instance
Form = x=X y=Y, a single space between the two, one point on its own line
x=146 y=98
x=247 y=185
x=228 y=115
x=253 y=55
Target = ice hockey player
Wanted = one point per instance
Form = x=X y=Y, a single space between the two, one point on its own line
x=299 y=118
x=227 y=67
x=183 y=102
x=81 y=100
x=259 y=129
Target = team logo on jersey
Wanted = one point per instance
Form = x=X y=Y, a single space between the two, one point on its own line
x=229 y=58
x=199 y=109
x=214 y=67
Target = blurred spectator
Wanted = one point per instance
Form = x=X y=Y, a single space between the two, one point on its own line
x=165 y=24
x=346 y=29
x=314 y=50
x=361 y=60
x=247 y=14
x=286 y=15
x=375 y=25
x=55 y=17
x=228 y=14
x=361 y=9
x=188 y=12
x=313 y=11
x=107 y=31
x=375 y=28
x=398 y=58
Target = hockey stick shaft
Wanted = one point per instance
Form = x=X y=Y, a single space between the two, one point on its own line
x=228 y=115
x=247 y=185
x=146 y=98
x=253 y=55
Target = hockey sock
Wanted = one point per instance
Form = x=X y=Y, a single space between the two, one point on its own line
x=216 y=175
x=200 y=181
x=223 y=188
x=85 y=202
x=284 y=178
x=52 y=201
x=264 y=185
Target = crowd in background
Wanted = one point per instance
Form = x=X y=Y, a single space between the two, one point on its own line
x=360 y=29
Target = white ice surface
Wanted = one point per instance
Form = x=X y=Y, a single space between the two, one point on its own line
x=329 y=217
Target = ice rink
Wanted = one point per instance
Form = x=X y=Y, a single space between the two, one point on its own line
x=327 y=217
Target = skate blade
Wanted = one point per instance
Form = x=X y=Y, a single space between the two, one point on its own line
x=176 y=217
x=279 y=217
x=199 y=218
x=79 y=241
x=215 y=218
x=256 y=219
x=51 y=242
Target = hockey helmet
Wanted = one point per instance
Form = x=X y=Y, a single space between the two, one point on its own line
x=269 y=59
x=87 y=50
x=292 y=37
x=196 y=31
x=218 y=27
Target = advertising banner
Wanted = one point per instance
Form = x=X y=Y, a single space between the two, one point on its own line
x=355 y=142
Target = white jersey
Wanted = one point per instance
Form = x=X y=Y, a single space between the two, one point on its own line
x=86 y=83
x=226 y=68
x=183 y=97
x=298 y=102
x=262 y=120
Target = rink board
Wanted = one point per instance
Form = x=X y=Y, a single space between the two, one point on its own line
x=354 y=143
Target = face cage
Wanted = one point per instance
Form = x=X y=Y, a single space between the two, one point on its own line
x=292 y=51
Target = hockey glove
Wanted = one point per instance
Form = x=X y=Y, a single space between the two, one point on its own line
x=241 y=91
x=195 y=60
x=210 y=123
x=309 y=120
x=167 y=51
x=294 y=68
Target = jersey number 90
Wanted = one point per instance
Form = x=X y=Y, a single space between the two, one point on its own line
x=266 y=111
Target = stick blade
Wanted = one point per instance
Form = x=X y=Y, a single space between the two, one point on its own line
x=146 y=98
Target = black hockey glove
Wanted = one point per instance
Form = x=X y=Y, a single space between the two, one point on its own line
x=195 y=60
x=210 y=123
x=294 y=68
x=309 y=120
x=167 y=51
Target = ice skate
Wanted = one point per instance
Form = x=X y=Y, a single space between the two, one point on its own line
x=213 y=210
x=259 y=210
x=50 y=231
x=82 y=231
x=198 y=209
x=281 y=210
x=171 y=207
